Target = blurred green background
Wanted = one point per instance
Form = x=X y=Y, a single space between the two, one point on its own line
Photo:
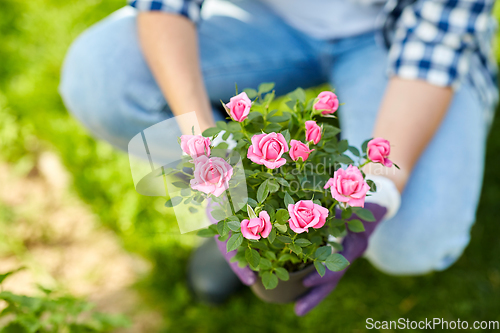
x=34 y=38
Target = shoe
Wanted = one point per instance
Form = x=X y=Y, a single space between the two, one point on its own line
x=209 y=276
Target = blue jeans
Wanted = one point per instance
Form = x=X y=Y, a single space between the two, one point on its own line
x=107 y=85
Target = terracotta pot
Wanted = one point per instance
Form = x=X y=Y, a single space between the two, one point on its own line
x=286 y=291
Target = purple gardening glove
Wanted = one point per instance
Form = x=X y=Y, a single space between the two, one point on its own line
x=354 y=245
x=245 y=274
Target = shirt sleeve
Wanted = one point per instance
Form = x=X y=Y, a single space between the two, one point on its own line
x=434 y=40
x=187 y=8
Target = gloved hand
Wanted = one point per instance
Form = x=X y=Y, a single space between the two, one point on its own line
x=245 y=274
x=354 y=245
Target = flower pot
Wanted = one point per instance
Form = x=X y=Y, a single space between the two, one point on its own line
x=286 y=291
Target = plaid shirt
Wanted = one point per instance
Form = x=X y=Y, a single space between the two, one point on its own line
x=443 y=42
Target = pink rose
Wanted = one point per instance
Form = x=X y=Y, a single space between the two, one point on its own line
x=379 y=150
x=267 y=149
x=258 y=225
x=211 y=175
x=313 y=132
x=327 y=102
x=195 y=145
x=348 y=186
x=239 y=107
x=305 y=214
x=299 y=150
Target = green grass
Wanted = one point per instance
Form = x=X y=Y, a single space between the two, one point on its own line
x=35 y=37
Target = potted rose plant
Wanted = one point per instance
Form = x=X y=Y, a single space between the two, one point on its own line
x=302 y=186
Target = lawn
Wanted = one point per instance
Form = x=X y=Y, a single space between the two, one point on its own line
x=35 y=37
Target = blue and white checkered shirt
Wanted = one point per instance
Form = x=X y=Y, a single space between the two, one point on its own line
x=443 y=42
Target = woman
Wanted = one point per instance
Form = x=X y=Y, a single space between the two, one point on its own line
x=428 y=86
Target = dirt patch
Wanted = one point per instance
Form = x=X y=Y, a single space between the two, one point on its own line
x=46 y=228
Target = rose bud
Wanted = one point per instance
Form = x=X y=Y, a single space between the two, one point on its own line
x=326 y=102
x=239 y=107
x=306 y=214
x=267 y=149
x=378 y=151
x=195 y=145
x=211 y=175
x=313 y=132
x=299 y=150
x=257 y=227
x=348 y=186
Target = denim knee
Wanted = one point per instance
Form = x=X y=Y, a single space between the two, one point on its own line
x=403 y=256
x=106 y=83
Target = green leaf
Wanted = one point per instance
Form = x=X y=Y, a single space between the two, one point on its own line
x=344 y=159
x=259 y=245
x=222 y=228
x=14 y=327
x=270 y=255
x=180 y=184
x=354 y=151
x=234 y=242
x=336 y=222
x=222 y=145
x=265 y=264
x=330 y=131
x=209 y=132
x=286 y=257
x=355 y=226
x=173 y=201
x=6 y=275
x=252 y=116
x=269 y=208
x=295 y=248
x=288 y=200
x=218 y=214
x=264 y=175
x=266 y=87
x=251 y=212
x=273 y=185
x=269 y=280
x=272 y=127
x=262 y=191
x=320 y=268
x=364 y=214
x=323 y=252
x=281 y=227
x=364 y=146
x=252 y=257
x=234 y=225
x=373 y=186
x=282 y=274
x=282 y=216
x=284 y=239
x=252 y=202
x=280 y=119
x=272 y=235
x=251 y=93
x=233 y=126
x=346 y=213
x=302 y=242
x=206 y=233
x=282 y=181
x=286 y=135
x=222 y=125
x=336 y=262
x=272 y=113
x=223 y=238
x=298 y=94
x=342 y=146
